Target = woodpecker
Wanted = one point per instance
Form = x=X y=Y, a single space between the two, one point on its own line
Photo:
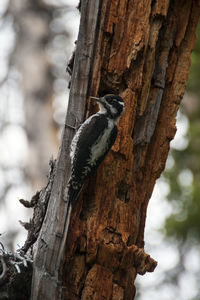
x=92 y=142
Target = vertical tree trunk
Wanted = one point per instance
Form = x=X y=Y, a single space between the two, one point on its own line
x=36 y=85
x=140 y=50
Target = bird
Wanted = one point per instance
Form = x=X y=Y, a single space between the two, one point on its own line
x=92 y=142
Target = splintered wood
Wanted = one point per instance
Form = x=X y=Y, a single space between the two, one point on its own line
x=142 y=52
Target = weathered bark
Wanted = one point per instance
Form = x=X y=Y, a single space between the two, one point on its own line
x=140 y=50
x=49 y=253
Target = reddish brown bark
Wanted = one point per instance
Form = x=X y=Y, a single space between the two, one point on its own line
x=140 y=50
x=142 y=53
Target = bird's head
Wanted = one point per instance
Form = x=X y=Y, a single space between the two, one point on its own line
x=112 y=105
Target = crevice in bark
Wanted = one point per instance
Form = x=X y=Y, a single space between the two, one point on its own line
x=133 y=54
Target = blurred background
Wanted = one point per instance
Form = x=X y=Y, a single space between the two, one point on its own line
x=36 y=40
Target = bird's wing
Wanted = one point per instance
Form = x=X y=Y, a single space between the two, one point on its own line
x=87 y=135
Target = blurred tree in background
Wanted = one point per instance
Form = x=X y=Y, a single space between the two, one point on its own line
x=37 y=39
x=183 y=225
x=184 y=176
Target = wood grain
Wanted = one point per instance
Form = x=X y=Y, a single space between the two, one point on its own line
x=140 y=50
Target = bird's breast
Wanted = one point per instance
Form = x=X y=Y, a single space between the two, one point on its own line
x=102 y=143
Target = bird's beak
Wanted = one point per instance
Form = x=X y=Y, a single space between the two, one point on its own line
x=96 y=99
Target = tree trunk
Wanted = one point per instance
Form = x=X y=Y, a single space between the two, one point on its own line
x=36 y=84
x=140 y=50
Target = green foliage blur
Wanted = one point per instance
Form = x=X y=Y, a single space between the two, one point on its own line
x=184 y=176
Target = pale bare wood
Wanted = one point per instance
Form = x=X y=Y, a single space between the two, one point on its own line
x=143 y=53
x=48 y=257
x=140 y=50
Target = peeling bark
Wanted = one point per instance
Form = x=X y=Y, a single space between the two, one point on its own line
x=140 y=50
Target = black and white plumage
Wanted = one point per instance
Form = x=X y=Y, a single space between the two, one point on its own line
x=92 y=142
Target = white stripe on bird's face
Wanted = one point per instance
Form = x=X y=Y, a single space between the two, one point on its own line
x=102 y=109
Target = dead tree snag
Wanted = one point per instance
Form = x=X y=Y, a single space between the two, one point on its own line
x=140 y=50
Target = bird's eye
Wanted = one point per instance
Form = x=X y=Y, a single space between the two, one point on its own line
x=109 y=100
